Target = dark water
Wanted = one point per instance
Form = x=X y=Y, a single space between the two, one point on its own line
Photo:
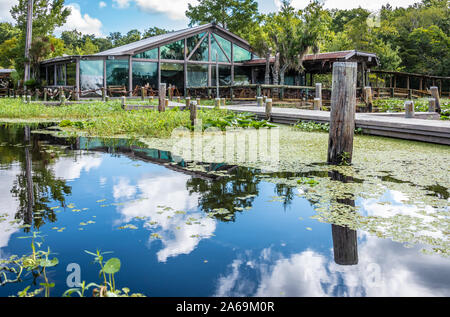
x=81 y=199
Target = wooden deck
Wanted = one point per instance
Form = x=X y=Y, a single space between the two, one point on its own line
x=424 y=127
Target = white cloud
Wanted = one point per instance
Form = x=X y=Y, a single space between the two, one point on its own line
x=5 y=6
x=175 y=9
x=346 y=5
x=70 y=168
x=167 y=190
x=102 y=4
x=82 y=22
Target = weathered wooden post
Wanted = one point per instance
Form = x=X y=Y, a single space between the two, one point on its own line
x=178 y=99
x=193 y=112
x=142 y=93
x=166 y=103
x=124 y=102
x=170 y=92
x=435 y=94
x=317 y=104
x=106 y=98
x=162 y=97
x=198 y=101
x=342 y=116
x=409 y=109
x=223 y=102
x=269 y=109
x=259 y=101
x=63 y=100
x=431 y=105
x=319 y=94
x=368 y=98
x=103 y=94
x=36 y=94
x=28 y=99
x=217 y=103
x=188 y=102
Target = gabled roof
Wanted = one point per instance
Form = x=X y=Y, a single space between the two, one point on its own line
x=151 y=42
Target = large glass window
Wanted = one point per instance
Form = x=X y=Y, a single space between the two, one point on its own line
x=71 y=74
x=202 y=52
x=91 y=75
x=51 y=75
x=60 y=75
x=191 y=42
x=145 y=73
x=216 y=52
x=117 y=72
x=173 y=50
x=226 y=45
x=240 y=54
x=197 y=75
x=173 y=74
x=151 y=54
x=242 y=75
x=224 y=75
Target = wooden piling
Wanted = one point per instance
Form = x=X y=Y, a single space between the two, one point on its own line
x=217 y=103
x=193 y=112
x=342 y=116
x=319 y=94
x=223 y=102
x=162 y=97
x=435 y=94
x=198 y=101
x=409 y=109
x=166 y=103
x=431 y=105
x=259 y=101
x=368 y=98
x=317 y=104
x=124 y=102
x=188 y=102
x=268 y=109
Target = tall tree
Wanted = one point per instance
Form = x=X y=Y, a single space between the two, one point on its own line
x=237 y=16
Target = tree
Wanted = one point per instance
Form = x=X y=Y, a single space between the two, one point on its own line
x=7 y=31
x=261 y=42
x=150 y=32
x=47 y=15
x=237 y=16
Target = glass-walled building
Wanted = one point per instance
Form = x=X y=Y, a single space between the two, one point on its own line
x=182 y=59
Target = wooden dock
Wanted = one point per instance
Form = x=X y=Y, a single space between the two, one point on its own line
x=423 y=127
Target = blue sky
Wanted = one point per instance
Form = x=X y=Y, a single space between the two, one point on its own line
x=101 y=17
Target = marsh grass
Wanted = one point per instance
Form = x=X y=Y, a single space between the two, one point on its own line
x=105 y=119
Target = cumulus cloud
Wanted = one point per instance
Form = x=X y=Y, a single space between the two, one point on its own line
x=102 y=4
x=167 y=190
x=70 y=168
x=175 y=11
x=84 y=23
x=346 y=5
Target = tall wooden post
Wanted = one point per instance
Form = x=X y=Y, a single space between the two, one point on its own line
x=193 y=112
x=269 y=109
x=162 y=97
x=259 y=101
x=28 y=39
x=435 y=94
x=342 y=117
x=368 y=98
x=409 y=109
x=317 y=103
x=319 y=93
x=188 y=102
x=431 y=105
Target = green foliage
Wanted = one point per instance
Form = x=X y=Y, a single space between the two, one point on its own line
x=238 y=16
x=241 y=120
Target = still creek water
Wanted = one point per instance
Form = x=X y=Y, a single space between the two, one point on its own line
x=84 y=194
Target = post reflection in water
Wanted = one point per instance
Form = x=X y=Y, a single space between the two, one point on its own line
x=29 y=178
x=345 y=242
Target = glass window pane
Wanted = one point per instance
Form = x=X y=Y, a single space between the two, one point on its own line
x=240 y=54
x=202 y=52
x=226 y=45
x=145 y=73
x=217 y=52
x=71 y=74
x=151 y=54
x=173 y=74
x=242 y=75
x=173 y=50
x=193 y=41
x=51 y=75
x=224 y=75
x=60 y=75
x=197 y=75
x=117 y=72
x=91 y=75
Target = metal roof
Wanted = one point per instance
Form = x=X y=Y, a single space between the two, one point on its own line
x=154 y=41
